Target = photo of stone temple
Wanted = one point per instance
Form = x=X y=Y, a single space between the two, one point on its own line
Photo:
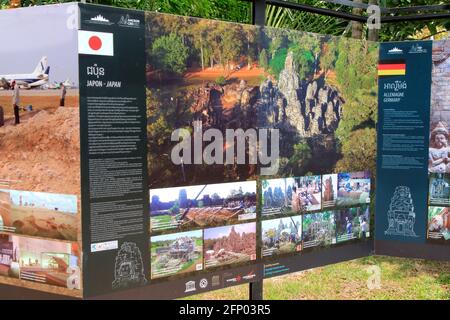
x=439 y=189
x=401 y=215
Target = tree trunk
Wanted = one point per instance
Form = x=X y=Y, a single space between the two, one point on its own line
x=373 y=33
x=357 y=26
x=203 y=59
x=248 y=52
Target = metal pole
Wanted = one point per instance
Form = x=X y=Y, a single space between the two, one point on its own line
x=357 y=26
x=256 y=290
x=372 y=34
x=259 y=12
x=416 y=17
x=354 y=17
x=259 y=19
x=317 y=10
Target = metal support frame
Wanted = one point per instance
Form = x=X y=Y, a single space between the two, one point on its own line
x=256 y=290
x=390 y=14
x=259 y=12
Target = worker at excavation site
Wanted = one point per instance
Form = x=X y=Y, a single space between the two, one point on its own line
x=16 y=101
x=63 y=95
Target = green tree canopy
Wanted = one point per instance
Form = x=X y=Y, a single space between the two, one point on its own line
x=169 y=54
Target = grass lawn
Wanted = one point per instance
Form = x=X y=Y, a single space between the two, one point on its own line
x=400 y=279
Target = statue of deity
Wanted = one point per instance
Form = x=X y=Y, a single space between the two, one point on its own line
x=439 y=152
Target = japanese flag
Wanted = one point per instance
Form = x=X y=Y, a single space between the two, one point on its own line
x=97 y=43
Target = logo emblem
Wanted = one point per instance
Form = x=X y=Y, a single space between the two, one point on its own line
x=190 y=286
x=215 y=281
x=126 y=21
x=395 y=50
x=416 y=48
x=99 y=19
x=203 y=283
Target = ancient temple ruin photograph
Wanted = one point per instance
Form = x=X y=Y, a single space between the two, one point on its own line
x=352 y=223
x=315 y=85
x=329 y=190
x=176 y=253
x=228 y=76
x=202 y=206
x=39 y=214
x=439 y=224
x=439 y=193
x=291 y=195
x=276 y=196
x=319 y=229
x=228 y=245
x=308 y=193
x=281 y=236
x=204 y=72
x=439 y=151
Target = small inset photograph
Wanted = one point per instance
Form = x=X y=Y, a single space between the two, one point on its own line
x=352 y=223
x=439 y=189
x=39 y=214
x=291 y=195
x=280 y=236
x=353 y=188
x=278 y=197
x=9 y=256
x=319 y=229
x=308 y=192
x=201 y=206
x=439 y=137
x=39 y=100
x=47 y=261
x=329 y=190
x=230 y=245
x=439 y=224
x=176 y=253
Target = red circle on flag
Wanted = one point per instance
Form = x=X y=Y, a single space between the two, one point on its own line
x=95 y=43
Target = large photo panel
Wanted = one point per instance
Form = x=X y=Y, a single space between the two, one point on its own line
x=320 y=93
x=40 y=214
x=203 y=77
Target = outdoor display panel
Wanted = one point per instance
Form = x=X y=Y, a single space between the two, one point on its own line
x=413 y=153
x=145 y=163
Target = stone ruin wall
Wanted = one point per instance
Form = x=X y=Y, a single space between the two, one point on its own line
x=440 y=89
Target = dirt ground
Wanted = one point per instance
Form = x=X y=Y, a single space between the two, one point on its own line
x=38 y=99
x=42 y=153
x=44 y=223
x=211 y=216
x=211 y=74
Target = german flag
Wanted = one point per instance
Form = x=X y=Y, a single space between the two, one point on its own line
x=391 y=68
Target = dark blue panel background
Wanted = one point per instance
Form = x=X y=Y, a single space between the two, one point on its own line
x=128 y=66
x=417 y=97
